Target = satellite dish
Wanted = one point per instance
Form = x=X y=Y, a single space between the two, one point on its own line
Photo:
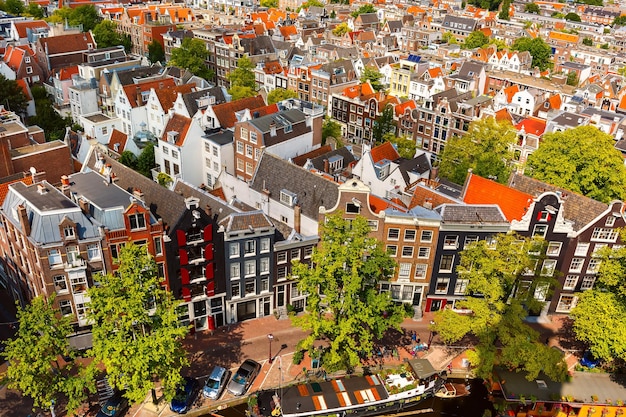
x=32 y=170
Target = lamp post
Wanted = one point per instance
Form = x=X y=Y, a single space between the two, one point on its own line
x=432 y=333
x=270 y=337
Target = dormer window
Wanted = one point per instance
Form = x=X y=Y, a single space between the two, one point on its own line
x=288 y=198
x=68 y=232
x=137 y=221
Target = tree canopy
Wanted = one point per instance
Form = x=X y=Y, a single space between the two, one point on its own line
x=155 y=52
x=619 y=21
x=146 y=161
x=310 y=3
x=345 y=306
x=242 y=82
x=280 y=94
x=491 y=5
x=192 y=55
x=34 y=356
x=341 y=29
x=532 y=8
x=502 y=282
x=406 y=146
x=366 y=8
x=269 y=3
x=583 y=160
x=87 y=16
x=14 y=7
x=34 y=10
x=136 y=334
x=383 y=125
x=485 y=148
x=330 y=128
x=105 y=34
x=539 y=50
x=13 y=97
x=572 y=17
x=476 y=39
x=47 y=118
x=373 y=76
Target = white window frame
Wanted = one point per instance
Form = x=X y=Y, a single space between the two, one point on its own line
x=554 y=248
x=570 y=282
x=235 y=271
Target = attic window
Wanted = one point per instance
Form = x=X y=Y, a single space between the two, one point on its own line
x=288 y=198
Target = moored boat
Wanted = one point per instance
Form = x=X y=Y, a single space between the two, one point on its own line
x=452 y=390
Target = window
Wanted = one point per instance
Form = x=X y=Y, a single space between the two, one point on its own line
x=393 y=234
x=441 y=287
x=78 y=283
x=234 y=250
x=60 y=284
x=287 y=197
x=281 y=257
x=54 y=257
x=576 y=265
x=295 y=254
x=581 y=249
x=423 y=253
x=265 y=284
x=548 y=267
x=405 y=270
x=257 y=154
x=469 y=240
x=570 y=282
x=451 y=242
x=240 y=147
x=541 y=291
x=392 y=250
x=554 y=249
x=253 y=137
x=308 y=251
x=587 y=283
x=544 y=216
x=250 y=247
x=596 y=248
x=73 y=255
x=244 y=133
x=68 y=232
x=281 y=272
x=249 y=151
x=409 y=235
x=610 y=221
x=265 y=245
x=594 y=265
x=174 y=154
x=461 y=286
x=235 y=290
x=93 y=251
x=446 y=262
x=137 y=221
x=158 y=246
x=264 y=266
x=250 y=288
x=566 y=303
x=540 y=230
x=420 y=271
x=600 y=233
x=66 y=308
x=214 y=149
x=250 y=268
x=427 y=236
x=407 y=251
x=235 y=271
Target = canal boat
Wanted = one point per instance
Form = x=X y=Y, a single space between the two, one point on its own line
x=367 y=395
x=452 y=390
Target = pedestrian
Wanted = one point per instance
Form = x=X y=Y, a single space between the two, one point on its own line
x=413 y=336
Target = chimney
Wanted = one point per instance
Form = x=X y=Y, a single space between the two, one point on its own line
x=428 y=204
x=326 y=166
x=139 y=97
x=38 y=176
x=297 y=211
x=65 y=185
x=41 y=189
x=24 y=222
x=138 y=193
x=273 y=128
x=434 y=173
x=84 y=205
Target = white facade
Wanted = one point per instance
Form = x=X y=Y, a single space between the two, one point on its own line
x=99 y=126
x=217 y=157
x=83 y=100
x=182 y=161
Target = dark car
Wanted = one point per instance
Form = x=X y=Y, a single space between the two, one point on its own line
x=185 y=396
x=114 y=407
x=588 y=360
x=243 y=378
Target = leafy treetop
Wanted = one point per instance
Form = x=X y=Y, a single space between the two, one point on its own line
x=373 y=76
x=12 y=95
x=242 y=82
x=192 y=55
x=476 y=39
x=87 y=16
x=366 y=8
x=539 y=50
x=280 y=94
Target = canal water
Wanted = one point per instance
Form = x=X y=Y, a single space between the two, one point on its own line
x=473 y=405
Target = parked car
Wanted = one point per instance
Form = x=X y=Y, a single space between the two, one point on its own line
x=114 y=407
x=244 y=377
x=185 y=396
x=588 y=360
x=216 y=382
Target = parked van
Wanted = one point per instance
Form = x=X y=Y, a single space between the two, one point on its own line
x=216 y=382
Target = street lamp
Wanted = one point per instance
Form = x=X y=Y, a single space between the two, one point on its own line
x=270 y=337
x=432 y=333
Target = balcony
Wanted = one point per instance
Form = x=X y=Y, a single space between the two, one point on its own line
x=78 y=263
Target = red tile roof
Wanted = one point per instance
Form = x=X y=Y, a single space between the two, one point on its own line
x=533 y=125
x=24 y=85
x=131 y=90
x=300 y=160
x=401 y=108
x=225 y=112
x=118 y=138
x=168 y=95
x=4 y=187
x=178 y=124
x=503 y=114
x=272 y=67
x=509 y=92
x=513 y=203
x=22 y=27
x=378 y=204
x=67 y=43
x=67 y=72
x=384 y=151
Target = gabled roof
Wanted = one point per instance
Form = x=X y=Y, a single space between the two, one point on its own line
x=510 y=91
x=167 y=96
x=512 y=202
x=533 y=125
x=384 y=151
x=67 y=72
x=25 y=88
x=300 y=160
x=479 y=214
x=288 y=31
x=117 y=138
x=23 y=26
x=132 y=90
x=503 y=114
x=225 y=112
x=179 y=124
x=579 y=209
x=67 y=43
x=400 y=108
x=246 y=220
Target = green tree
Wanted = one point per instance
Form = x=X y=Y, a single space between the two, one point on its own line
x=156 y=52
x=46 y=117
x=583 y=160
x=384 y=124
x=330 y=128
x=106 y=35
x=333 y=14
x=373 y=76
x=532 y=8
x=12 y=95
x=14 y=7
x=164 y=180
x=146 y=161
x=588 y=42
x=619 y=21
x=476 y=39
x=345 y=306
x=238 y=92
x=192 y=55
x=280 y=94
x=87 y=16
x=539 y=50
x=136 y=336
x=572 y=78
x=129 y=159
x=499 y=43
x=405 y=146
x=449 y=38
x=341 y=29
x=500 y=274
x=33 y=355
x=310 y=3
x=491 y=5
x=604 y=46
x=504 y=10
x=242 y=83
x=34 y=10
x=269 y=3
x=557 y=15
x=485 y=148
x=572 y=17
x=366 y=8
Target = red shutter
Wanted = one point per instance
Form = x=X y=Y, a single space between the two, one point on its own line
x=184 y=276
x=538 y=216
x=186 y=294
x=208 y=252
x=184 y=258
x=208 y=233
x=182 y=237
x=210 y=289
x=549 y=217
x=208 y=271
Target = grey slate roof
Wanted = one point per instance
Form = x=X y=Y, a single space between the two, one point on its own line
x=577 y=208
x=568 y=119
x=218 y=207
x=127 y=77
x=46 y=211
x=221 y=138
x=274 y=174
x=191 y=99
x=420 y=165
x=281 y=119
x=244 y=221
x=343 y=152
x=482 y=214
x=259 y=45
